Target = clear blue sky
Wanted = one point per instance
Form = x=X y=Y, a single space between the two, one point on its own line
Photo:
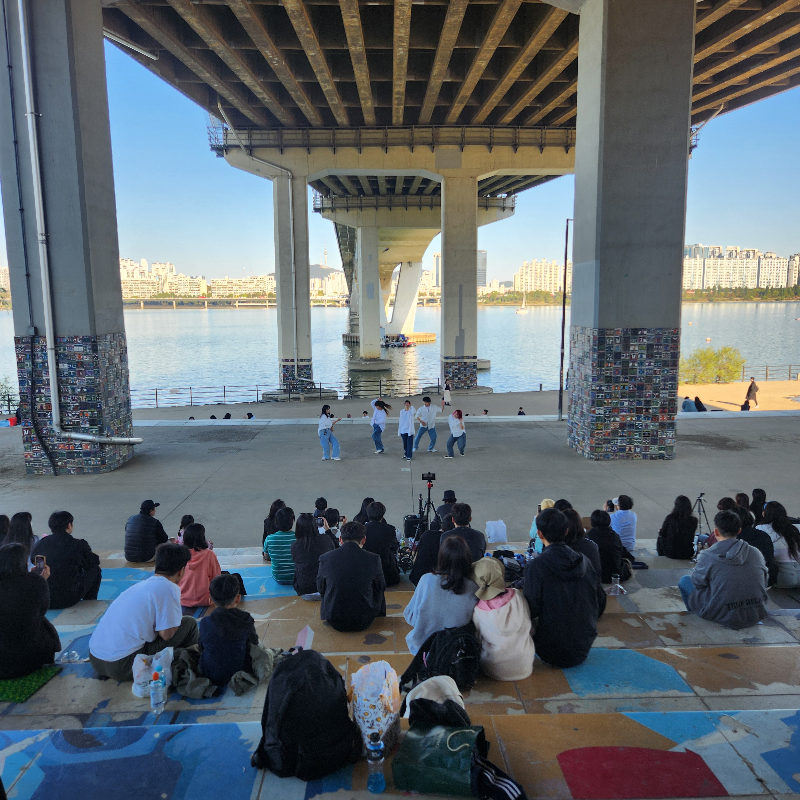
x=177 y=202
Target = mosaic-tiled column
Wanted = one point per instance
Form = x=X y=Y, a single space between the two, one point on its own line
x=299 y=381
x=460 y=373
x=623 y=385
x=95 y=399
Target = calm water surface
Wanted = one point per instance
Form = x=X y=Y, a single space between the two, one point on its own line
x=213 y=347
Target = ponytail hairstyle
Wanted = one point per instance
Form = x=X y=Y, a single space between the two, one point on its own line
x=775 y=515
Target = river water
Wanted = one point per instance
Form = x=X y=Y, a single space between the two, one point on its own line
x=197 y=347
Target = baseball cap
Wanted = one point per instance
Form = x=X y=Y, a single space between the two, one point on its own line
x=149 y=505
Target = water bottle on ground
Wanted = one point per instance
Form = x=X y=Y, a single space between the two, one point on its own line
x=157 y=693
x=376 y=783
x=616 y=586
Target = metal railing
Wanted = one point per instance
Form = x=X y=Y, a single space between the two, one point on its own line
x=273 y=392
x=770 y=372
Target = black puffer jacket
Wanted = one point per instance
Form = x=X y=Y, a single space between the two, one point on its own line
x=566 y=599
x=143 y=534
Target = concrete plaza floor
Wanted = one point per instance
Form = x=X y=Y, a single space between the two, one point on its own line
x=227 y=474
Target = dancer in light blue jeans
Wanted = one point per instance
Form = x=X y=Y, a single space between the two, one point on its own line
x=326 y=438
x=427 y=422
x=458 y=434
x=379 y=409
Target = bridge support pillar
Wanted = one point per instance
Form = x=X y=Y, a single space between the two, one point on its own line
x=405 y=299
x=370 y=301
x=292 y=288
x=67 y=63
x=459 y=337
x=634 y=105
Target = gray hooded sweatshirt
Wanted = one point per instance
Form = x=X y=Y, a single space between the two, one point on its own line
x=730 y=582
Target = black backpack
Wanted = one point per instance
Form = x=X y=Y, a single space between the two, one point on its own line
x=454 y=651
x=306 y=729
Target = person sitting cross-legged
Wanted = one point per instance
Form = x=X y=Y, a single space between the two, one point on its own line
x=613 y=556
x=350 y=582
x=564 y=594
x=311 y=542
x=445 y=598
x=279 y=547
x=382 y=540
x=145 y=618
x=226 y=633
x=729 y=583
x=75 y=573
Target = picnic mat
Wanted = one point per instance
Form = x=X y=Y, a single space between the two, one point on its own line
x=18 y=690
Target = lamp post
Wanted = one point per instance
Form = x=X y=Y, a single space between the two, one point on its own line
x=563 y=324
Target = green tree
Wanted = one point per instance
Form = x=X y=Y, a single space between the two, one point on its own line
x=707 y=365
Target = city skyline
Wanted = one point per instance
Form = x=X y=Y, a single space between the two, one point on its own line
x=215 y=220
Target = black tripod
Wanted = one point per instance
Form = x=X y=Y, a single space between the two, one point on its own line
x=700 y=507
x=427 y=507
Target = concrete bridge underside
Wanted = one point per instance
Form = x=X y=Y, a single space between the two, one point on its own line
x=385 y=106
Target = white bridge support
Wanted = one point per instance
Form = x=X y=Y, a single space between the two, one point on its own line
x=405 y=299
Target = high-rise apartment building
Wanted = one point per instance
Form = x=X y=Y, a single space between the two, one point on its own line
x=258 y=285
x=437 y=270
x=542 y=276
x=735 y=267
x=5 y=282
x=481 y=268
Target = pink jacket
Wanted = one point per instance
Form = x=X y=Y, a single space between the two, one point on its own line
x=200 y=571
x=504 y=629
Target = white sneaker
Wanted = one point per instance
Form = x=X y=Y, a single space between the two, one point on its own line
x=415 y=449
x=337 y=459
x=325 y=459
x=379 y=452
x=432 y=450
x=463 y=454
x=448 y=456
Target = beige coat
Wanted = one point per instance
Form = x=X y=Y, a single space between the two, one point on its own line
x=507 y=649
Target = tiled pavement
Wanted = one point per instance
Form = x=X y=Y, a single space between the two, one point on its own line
x=666 y=705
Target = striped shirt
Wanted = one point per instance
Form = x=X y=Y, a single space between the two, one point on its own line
x=279 y=549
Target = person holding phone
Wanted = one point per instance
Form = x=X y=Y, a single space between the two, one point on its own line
x=326 y=437
x=28 y=639
x=308 y=546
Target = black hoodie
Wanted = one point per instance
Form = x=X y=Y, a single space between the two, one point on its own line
x=566 y=599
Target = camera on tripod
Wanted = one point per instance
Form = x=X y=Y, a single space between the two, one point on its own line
x=429 y=476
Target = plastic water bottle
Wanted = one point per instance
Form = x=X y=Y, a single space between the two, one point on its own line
x=376 y=783
x=157 y=693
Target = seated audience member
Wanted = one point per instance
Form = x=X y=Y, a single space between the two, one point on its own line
x=442 y=599
x=576 y=538
x=676 y=537
x=145 y=618
x=335 y=521
x=28 y=639
x=546 y=503
x=428 y=550
x=143 y=533
x=362 y=514
x=350 y=581
x=186 y=519
x=279 y=547
x=785 y=542
x=226 y=633
x=613 y=556
x=623 y=521
x=503 y=621
x=462 y=516
x=688 y=404
x=448 y=501
x=760 y=540
x=5 y=524
x=564 y=595
x=269 y=522
x=382 y=540
x=562 y=505
x=729 y=583
x=20 y=531
x=320 y=504
x=310 y=543
x=74 y=569
x=757 y=506
x=743 y=501
x=200 y=571
x=699 y=405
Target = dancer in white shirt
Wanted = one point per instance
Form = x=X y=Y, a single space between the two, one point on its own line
x=427 y=423
x=406 y=429
x=326 y=437
x=379 y=409
x=457 y=433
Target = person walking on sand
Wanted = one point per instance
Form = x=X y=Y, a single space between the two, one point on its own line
x=405 y=429
x=379 y=409
x=447 y=388
x=752 y=391
x=326 y=437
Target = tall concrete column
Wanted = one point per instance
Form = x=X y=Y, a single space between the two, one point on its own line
x=634 y=103
x=65 y=41
x=386 y=271
x=369 y=293
x=292 y=286
x=405 y=299
x=459 y=337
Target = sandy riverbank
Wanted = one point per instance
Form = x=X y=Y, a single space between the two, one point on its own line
x=772 y=395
